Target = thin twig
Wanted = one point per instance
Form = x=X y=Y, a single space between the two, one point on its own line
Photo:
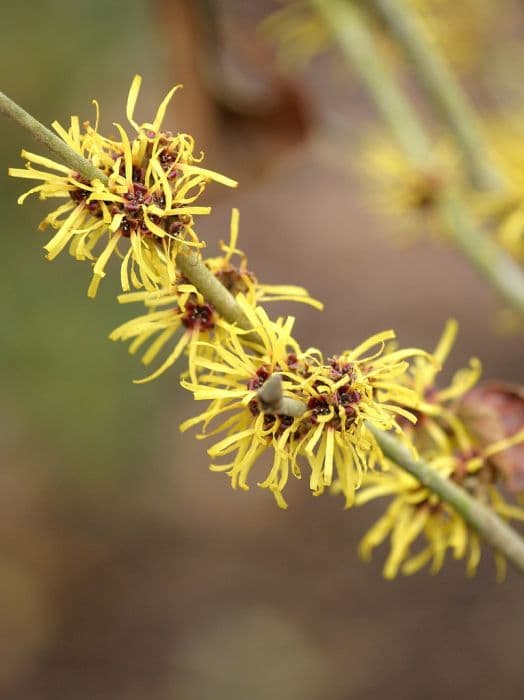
x=42 y=134
x=356 y=43
x=494 y=264
x=213 y=291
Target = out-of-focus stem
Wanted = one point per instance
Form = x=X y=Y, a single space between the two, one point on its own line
x=494 y=264
x=442 y=88
x=356 y=43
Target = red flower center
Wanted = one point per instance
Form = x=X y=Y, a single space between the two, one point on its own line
x=200 y=316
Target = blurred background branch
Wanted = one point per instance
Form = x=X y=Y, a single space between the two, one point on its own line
x=442 y=88
x=355 y=40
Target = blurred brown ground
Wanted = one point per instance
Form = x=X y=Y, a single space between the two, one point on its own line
x=128 y=570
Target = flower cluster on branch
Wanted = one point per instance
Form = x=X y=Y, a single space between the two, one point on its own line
x=268 y=400
x=445 y=436
x=143 y=207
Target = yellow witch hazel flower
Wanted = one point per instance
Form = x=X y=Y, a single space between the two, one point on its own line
x=186 y=310
x=406 y=192
x=338 y=398
x=230 y=381
x=343 y=396
x=438 y=428
x=416 y=515
x=142 y=208
x=183 y=307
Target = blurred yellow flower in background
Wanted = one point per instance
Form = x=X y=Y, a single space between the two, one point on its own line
x=503 y=209
x=461 y=30
x=297 y=32
x=406 y=193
